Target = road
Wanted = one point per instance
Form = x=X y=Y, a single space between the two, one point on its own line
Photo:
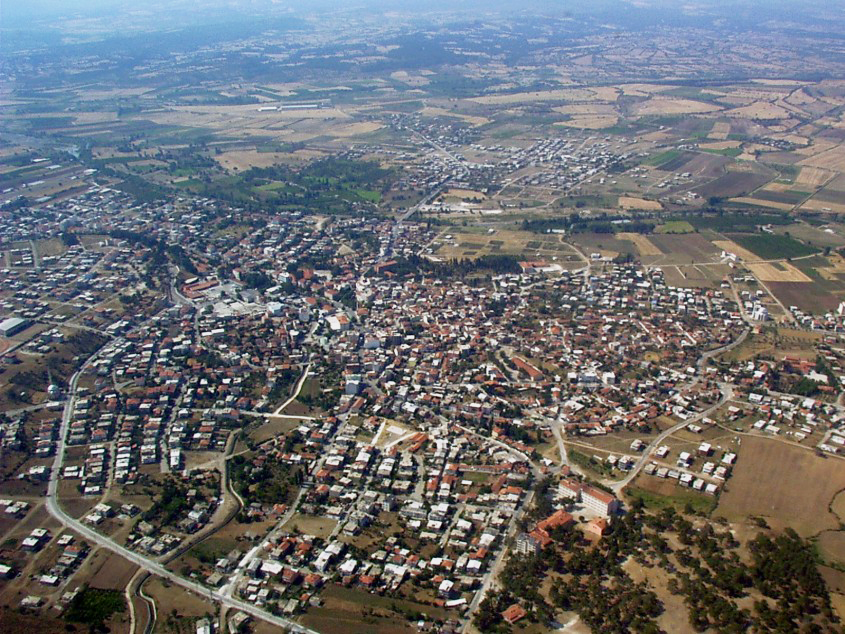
x=727 y=395
x=296 y=391
x=55 y=510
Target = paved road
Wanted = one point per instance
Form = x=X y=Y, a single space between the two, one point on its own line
x=296 y=391
x=140 y=560
x=727 y=394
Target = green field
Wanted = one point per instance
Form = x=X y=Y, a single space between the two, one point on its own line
x=663 y=157
x=771 y=246
x=675 y=226
x=684 y=498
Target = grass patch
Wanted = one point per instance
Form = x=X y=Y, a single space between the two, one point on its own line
x=94 y=607
x=676 y=226
x=731 y=152
x=683 y=500
x=663 y=157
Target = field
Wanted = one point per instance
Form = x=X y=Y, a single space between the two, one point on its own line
x=310 y=525
x=772 y=246
x=629 y=202
x=770 y=480
x=177 y=608
x=659 y=493
x=813 y=176
x=808 y=297
x=349 y=611
x=684 y=249
x=113 y=574
x=732 y=184
x=274 y=427
x=502 y=242
x=777 y=272
x=643 y=244
x=675 y=226
x=694 y=276
x=732 y=247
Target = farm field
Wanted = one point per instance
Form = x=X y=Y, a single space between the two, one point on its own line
x=770 y=479
x=773 y=246
x=684 y=249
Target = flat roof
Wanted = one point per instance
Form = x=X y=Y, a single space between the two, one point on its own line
x=11 y=322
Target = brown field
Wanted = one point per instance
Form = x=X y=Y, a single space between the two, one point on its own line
x=694 y=276
x=244 y=159
x=170 y=598
x=720 y=130
x=310 y=525
x=273 y=428
x=587 y=109
x=629 y=202
x=759 y=202
x=590 y=122
x=814 y=204
x=669 y=105
x=808 y=297
x=832 y=546
x=343 y=613
x=563 y=94
x=442 y=112
x=770 y=480
x=113 y=574
x=813 y=176
x=463 y=193
x=759 y=110
x=719 y=145
x=783 y=272
x=643 y=244
x=831 y=159
x=684 y=248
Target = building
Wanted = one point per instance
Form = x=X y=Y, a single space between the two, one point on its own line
x=527 y=544
x=514 y=613
x=12 y=326
x=599 y=501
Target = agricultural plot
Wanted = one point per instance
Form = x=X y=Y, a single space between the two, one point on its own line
x=640 y=204
x=768 y=246
x=684 y=248
x=604 y=243
x=732 y=184
x=454 y=245
x=645 y=247
x=777 y=272
x=694 y=276
x=811 y=298
x=770 y=480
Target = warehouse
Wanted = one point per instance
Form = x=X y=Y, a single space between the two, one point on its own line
x=12 y=326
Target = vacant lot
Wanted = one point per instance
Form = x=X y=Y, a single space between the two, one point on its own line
x=113 y=574
x=274 y=427
x=348 y=611
x=770 y=480
x=659 y=493
x=320 y=527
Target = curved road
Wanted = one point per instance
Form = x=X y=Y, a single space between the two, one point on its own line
x=143 y=562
